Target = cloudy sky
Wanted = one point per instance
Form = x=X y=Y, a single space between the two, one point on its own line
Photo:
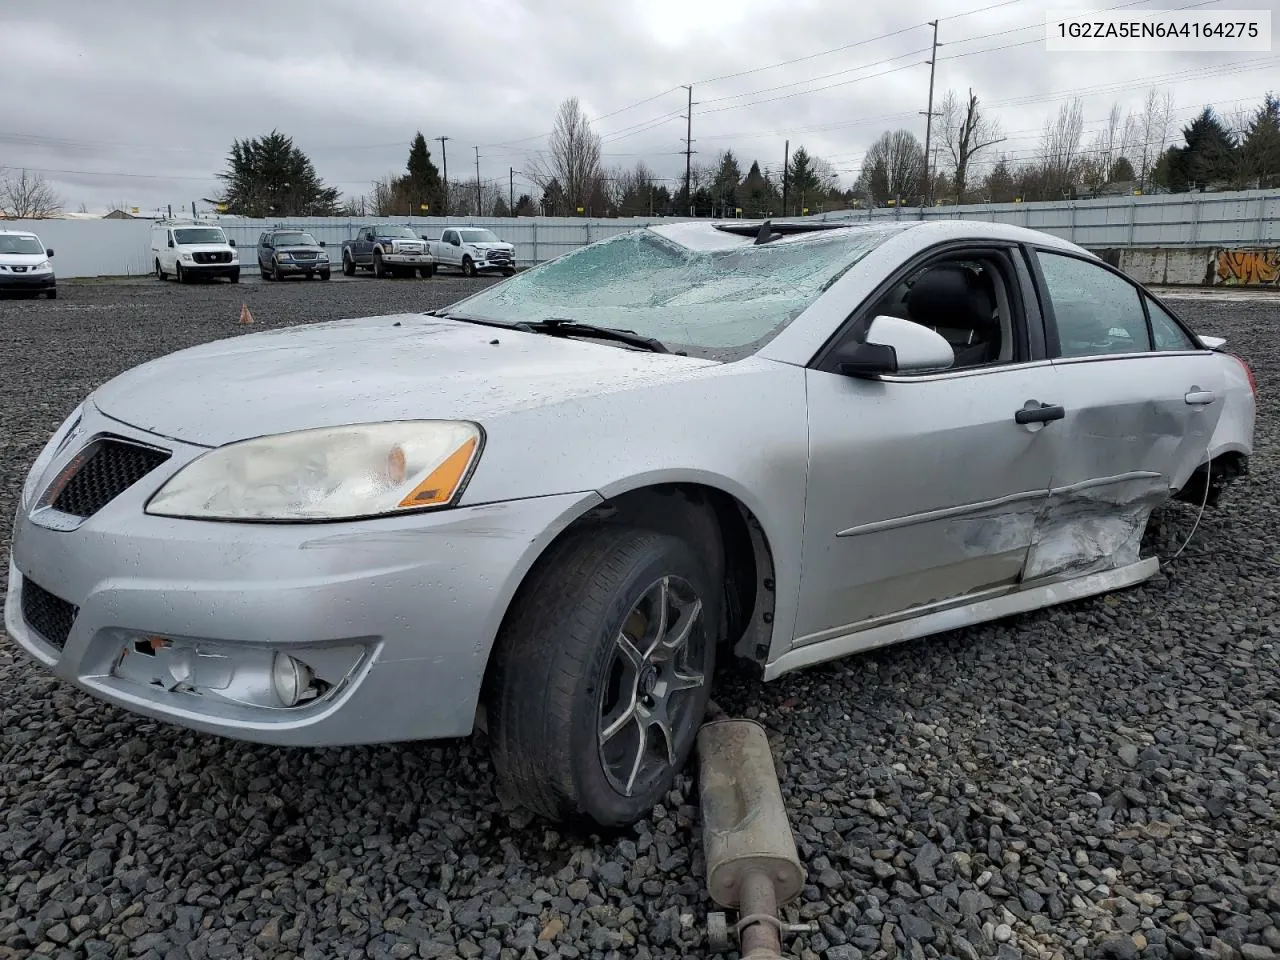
x=138 y=101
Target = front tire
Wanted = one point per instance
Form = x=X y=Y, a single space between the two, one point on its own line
x=602 y=673
x=51 y=294
x=324 y=274
x=348 y=265
x=379 y=270
x=180 y=273
x=234 y=276
x=276 y=275
x=468 y=267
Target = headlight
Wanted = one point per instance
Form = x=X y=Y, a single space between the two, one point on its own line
x=330 y=473
x=186 y=257
x=44 y=266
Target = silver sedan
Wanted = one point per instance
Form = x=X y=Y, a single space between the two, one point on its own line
x=550 y=509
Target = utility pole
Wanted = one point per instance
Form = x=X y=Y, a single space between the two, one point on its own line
x=688 y=150
x=479 y=210
x=928 y=121
x=444 y=159
x=511 y=191
x=786 y=165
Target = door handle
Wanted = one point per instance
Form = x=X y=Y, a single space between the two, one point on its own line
x=1199 y=398
x=1041 y=414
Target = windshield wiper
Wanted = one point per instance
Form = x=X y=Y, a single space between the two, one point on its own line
x=559 y=327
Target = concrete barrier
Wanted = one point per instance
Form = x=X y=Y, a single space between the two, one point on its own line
x=1246 y=266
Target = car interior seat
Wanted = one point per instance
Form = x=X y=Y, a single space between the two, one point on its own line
x=960 y=304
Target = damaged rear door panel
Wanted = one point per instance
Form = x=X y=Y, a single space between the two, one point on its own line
x=1138 y=419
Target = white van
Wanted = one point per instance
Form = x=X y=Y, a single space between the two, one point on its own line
x=25 y=264
x=188 y=249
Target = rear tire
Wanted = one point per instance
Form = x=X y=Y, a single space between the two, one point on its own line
x=160 y=274
x=573 y=713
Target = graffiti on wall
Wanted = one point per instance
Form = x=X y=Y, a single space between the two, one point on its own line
x=1248 y=267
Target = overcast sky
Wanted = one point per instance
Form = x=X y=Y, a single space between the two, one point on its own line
x=138 y=101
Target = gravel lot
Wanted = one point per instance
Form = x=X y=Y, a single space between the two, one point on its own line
x=1099 y=780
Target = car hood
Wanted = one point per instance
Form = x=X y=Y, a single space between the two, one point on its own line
x=204 y=248
x=370 y=369
x=299 y=248
x=21 y=259
x=492 y=246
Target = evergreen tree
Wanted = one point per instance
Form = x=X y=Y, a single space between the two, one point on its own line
x=728 y=176
x=1209 y=154
x=1260 y=150
x=270 y=177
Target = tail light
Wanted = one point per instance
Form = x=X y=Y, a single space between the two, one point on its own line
x=1253 y=384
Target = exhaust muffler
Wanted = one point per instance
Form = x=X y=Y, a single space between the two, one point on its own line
x=752 y=864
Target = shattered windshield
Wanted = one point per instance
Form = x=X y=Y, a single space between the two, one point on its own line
x=710 y=302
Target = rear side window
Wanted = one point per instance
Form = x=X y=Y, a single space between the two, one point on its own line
x=1096 y=311
x=1165 y=330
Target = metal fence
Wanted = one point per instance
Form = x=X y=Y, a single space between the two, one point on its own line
x=91 y=248
x=1167 y=220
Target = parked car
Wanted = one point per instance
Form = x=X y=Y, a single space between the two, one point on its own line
x=387 y=250
x=25 y=265
x=551 y=508
x=285 y=253
x=191 y=249
x=474 y=250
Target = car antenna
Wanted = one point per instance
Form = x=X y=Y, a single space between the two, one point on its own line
x=763 y=236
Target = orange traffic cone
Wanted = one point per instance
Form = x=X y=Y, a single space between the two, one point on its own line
x=245 y=315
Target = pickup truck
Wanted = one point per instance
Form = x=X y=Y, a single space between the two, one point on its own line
x=387 y=250
x=474 y=250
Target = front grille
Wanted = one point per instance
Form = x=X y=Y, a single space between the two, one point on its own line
x=500 y=256
x=303 y=255
x=215 y=256
x=108 y=468
x=49 y=616
x=19 y=269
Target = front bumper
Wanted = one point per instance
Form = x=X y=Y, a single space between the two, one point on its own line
x=401 y=612
x=409 y=259
x=211 y=269
x=303 y=266
x=27 y=281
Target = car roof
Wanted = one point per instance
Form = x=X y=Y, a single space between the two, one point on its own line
x=704 y=234
x=18 y=233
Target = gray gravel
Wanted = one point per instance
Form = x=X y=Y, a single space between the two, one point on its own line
x=1099 y=780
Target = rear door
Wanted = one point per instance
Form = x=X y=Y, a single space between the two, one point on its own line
x=1141 y=401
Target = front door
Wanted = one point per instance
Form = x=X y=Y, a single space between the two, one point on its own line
x=925 y=490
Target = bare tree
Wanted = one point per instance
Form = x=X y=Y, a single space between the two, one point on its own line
x=1060 y=148
x=966 y=131
x=1153 y=131
x=893 y=168
x=573 y=159
x=28 y=196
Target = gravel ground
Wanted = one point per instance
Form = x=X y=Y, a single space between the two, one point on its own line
x=1098 y=780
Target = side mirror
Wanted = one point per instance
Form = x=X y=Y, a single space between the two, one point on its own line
x=231 y=242
x=49 y=252
x=170 y=244
x=456 y=242
x=322 y=243
x=895 y=345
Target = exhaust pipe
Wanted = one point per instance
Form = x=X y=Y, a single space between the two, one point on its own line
x=752 y=864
